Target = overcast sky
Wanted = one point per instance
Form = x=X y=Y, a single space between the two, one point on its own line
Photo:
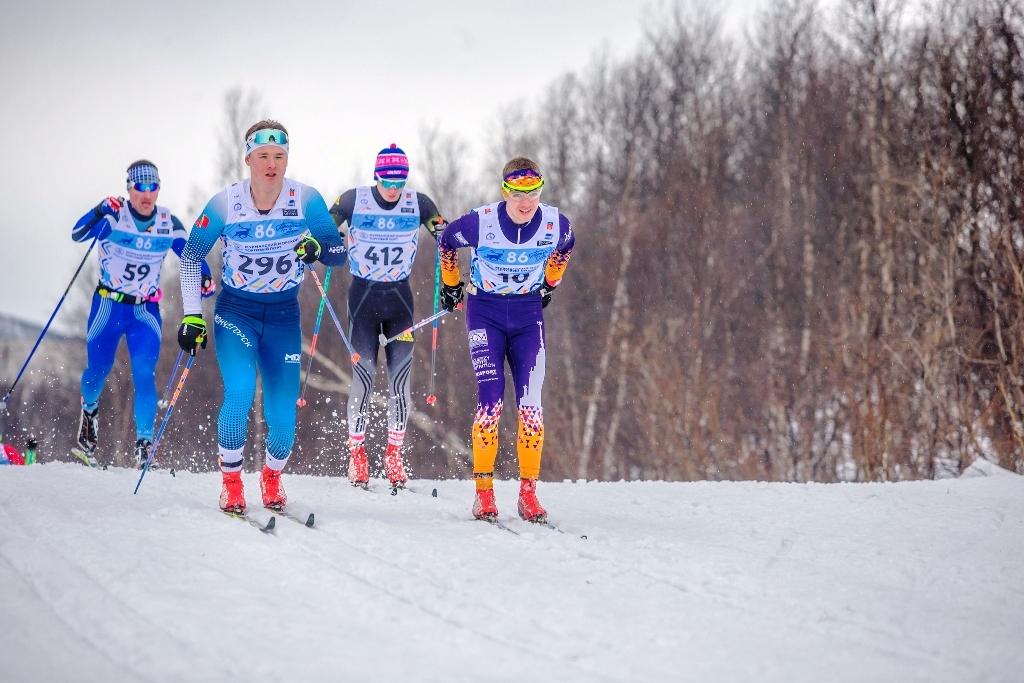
x=87 y=88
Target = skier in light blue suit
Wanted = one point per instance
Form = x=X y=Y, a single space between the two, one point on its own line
x=271 y=228
x=133 y=239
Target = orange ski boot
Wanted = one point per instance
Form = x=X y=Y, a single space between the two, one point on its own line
x=232 y=496
x=484 y=506
x=393 y=466
x=274 y=496
x=529 y=506
x=358 y=470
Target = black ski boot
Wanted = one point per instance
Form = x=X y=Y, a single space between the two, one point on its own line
x=88 y=433
x=142 y=448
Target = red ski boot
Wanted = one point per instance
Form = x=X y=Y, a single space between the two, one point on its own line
x=393 y=466
x=232 y=496
x=358 y=470
x=529 y=506
x=483 y=506
x=274 y=496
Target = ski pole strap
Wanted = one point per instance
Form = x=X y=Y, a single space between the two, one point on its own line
x=130 y=299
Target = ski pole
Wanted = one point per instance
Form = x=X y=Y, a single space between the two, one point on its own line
x=170 y=380
x=167 y=415
x=330 y=309
x=3 y=406
x=312 y=345
x=384 y=341
x=433 y=344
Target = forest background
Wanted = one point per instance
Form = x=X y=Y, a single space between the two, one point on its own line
x=798 y=257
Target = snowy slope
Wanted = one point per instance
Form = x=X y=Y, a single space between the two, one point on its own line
x=918 y=581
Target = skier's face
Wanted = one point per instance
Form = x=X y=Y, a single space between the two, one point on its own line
x=521 y=211
x=144 y=202
x=389 y=194
x=268 y=165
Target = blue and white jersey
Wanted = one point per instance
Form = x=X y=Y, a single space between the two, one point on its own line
x=382 y=242
x=501 y=266
x=259 y=248
x=131 y=255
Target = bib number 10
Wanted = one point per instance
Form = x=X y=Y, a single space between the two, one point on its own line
x=519 y=278
x=375 y=255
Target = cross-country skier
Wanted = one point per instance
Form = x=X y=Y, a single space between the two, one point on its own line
x=271 y=227
x=520 y=249
x=384 y=227
x=134 y=238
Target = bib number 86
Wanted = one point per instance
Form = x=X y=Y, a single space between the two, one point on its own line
x=512 y=258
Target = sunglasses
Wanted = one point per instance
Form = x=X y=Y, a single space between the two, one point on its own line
x=391 y=184
x=146 y=187
x=269 y=136
x=519 y=195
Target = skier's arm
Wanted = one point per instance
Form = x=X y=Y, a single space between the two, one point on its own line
x=430 y=216
x=98 y=220
x=559 y=258
x=462 y=232
x=180 y=239
x=321 y=226
x=205 y=232
x=343 y=207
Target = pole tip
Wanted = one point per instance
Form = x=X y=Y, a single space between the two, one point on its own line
x=431 y=399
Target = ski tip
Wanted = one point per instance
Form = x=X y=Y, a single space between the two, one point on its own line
x=309 y=520
x=433 y=494
x=270 y=525
x=394 y=490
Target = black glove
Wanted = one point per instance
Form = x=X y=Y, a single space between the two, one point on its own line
x=451 y=296
x=192 y=333
x=545 y=294
x=308 y=249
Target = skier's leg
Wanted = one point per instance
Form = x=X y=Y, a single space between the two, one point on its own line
x=104 y=334
x=236 y=334
x=280 y=363
x=363 y=328
x=487 y=346
x=399 y=360
x=144 y=348
x=526 y=356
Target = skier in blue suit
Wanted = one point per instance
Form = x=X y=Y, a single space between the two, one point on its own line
x=272 y=228
x=133 y=239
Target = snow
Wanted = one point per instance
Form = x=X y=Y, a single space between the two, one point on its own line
x=985 y=468
x=706 y=581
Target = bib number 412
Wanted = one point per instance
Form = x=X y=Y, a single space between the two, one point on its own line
x=375 y=255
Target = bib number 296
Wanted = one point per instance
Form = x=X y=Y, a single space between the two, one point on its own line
x=283 y=265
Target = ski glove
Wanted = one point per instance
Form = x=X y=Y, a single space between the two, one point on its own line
x=308 y=249
x=192 y=333
x=208 y=287
x=545 y=294
x=110 y=206
x=451 y=296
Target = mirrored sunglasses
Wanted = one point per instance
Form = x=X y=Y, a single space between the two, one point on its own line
x=391 y=184
x=146 y=187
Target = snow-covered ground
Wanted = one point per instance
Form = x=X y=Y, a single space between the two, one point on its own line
x=919 y=581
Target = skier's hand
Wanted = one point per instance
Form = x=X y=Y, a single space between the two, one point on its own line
x=308 y=249
x=110 y=206
x=208 y=286
x=192 y=333
x=451 y=296
x=545 y=294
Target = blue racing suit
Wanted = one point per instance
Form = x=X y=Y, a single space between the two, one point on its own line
x=256 y=319
x=131 y=248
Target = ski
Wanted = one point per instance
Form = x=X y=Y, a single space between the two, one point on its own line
x=494 y=522
x=308 y=523
x=267 y=528
x=88 y=458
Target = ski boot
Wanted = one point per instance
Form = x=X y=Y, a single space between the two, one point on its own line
x=274 y=496
x=142 y=448
x=393 y=466
x=358 y=469
x=529 y=506
x=484 y=506
x=88 y=434
x=232 y=494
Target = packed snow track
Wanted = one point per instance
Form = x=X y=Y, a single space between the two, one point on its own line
x=919 y=581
